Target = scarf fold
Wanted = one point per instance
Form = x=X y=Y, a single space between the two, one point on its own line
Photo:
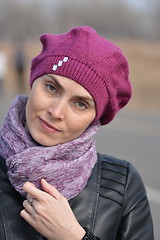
x=66 y=166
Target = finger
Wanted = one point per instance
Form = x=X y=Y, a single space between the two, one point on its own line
x=33 y=191
x=31 y=201
x=50 y=189
x=24 y=214
x=27 y=205
x=30 y=209
x=29 y=197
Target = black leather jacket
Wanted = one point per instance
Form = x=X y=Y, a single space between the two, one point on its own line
x=113 y=205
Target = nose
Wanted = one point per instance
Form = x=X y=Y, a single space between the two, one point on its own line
x=57 y=109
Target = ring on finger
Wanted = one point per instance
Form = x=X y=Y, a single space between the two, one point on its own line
x=30 y=200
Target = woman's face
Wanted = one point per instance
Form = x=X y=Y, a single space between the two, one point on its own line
x=58 y=110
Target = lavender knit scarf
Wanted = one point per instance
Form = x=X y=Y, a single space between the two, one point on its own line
x=66 y=166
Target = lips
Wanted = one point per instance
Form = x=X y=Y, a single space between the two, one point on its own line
x=47 y=126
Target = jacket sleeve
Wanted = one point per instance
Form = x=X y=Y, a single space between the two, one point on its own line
x=136 y=221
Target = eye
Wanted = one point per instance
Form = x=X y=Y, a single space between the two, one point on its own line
x=51 y=87
x=81 y=105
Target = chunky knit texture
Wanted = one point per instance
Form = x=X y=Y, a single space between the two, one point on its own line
x=90 y=60
x=66 y=166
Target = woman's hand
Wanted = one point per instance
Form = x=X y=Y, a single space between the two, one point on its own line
x=50 y=213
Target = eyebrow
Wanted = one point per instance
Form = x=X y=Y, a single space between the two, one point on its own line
x=61 y=87
x=84 y=98
x=55 y=80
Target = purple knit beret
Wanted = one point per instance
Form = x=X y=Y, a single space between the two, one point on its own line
x=92 y=61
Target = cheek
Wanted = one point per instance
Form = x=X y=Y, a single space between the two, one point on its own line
x=79 y=125
x=32 y=106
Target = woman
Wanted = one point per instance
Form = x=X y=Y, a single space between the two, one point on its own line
x=54 y=185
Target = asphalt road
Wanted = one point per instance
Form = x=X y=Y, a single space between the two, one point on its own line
x=134 y=137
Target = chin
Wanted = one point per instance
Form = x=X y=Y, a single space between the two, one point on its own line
x=45 y=143
x=42 y=142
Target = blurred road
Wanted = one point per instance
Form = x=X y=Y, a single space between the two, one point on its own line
x=133 y=137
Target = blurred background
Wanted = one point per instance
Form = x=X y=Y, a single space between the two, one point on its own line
x=134 y=25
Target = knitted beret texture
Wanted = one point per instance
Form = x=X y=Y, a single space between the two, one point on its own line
x=93 y=62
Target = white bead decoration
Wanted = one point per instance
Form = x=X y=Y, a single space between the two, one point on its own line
x=65 y=59
x=54 y=67
x=60 y=63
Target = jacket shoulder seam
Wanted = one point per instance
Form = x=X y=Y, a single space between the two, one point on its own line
x=113 y=179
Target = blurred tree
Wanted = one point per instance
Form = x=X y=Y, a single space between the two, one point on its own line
x=118 y=18
x=21 y=20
